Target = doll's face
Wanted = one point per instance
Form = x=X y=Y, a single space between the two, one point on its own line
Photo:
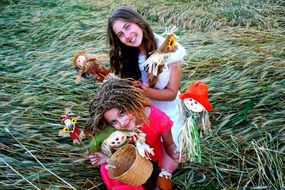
x=119 y=119
x=69 y=123
x=116 y=139
x=80 y=60
x=193 y=105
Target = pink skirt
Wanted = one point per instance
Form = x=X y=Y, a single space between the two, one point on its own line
x=113 y=184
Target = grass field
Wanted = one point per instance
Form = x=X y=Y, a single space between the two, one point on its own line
x=236 y=46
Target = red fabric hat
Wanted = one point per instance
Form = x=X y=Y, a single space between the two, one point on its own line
x=198 y=91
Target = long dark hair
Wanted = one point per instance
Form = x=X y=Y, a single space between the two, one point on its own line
x=124 y=59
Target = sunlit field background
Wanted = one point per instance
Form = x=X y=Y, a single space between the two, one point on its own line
x=236 y=46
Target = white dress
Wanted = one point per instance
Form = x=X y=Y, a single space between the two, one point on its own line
x=171 y=108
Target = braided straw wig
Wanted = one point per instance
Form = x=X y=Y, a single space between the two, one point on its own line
x=123 y=94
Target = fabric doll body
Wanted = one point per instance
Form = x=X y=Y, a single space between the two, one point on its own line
x=70 y=127
x=171 y=108
x=74 y=134
x=86 y=65
x=96 y=71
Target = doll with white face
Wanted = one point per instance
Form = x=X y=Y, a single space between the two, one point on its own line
x=80 y=61
x=70 y=121
x=87 y=65
x=118 y=139
x=193 y=105
x=195 y=99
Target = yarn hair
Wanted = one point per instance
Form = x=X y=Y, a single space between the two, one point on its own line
x=123 y=94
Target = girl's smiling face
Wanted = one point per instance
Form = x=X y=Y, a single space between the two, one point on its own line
x=129 y=34
x=119 y=119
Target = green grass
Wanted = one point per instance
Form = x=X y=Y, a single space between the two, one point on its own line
x=236 y=47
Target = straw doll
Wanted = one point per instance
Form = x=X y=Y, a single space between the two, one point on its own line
x=70 y=121
x=155 y=63
x=123 y=105
x=86 y=65
x=197 y=105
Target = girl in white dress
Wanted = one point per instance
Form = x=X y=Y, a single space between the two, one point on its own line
x=131 y=42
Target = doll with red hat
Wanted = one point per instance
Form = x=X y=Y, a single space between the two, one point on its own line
x=197 y=104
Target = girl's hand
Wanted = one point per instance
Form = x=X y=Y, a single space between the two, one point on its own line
x=179 y=157
x=175 y=154
x=143 y=86
x=97 y=158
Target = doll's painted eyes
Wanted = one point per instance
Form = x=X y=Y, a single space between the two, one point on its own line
x=192 y=101
x=80 y=59
x=193 y=105
x=117 y=139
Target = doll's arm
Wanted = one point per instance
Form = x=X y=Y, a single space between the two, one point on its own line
x=97 y=158
x=143 y=149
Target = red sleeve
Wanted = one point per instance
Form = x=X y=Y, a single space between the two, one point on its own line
x=158 y=124
x=159 y=120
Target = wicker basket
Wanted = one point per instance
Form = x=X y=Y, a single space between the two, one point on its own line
x=131 y=168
